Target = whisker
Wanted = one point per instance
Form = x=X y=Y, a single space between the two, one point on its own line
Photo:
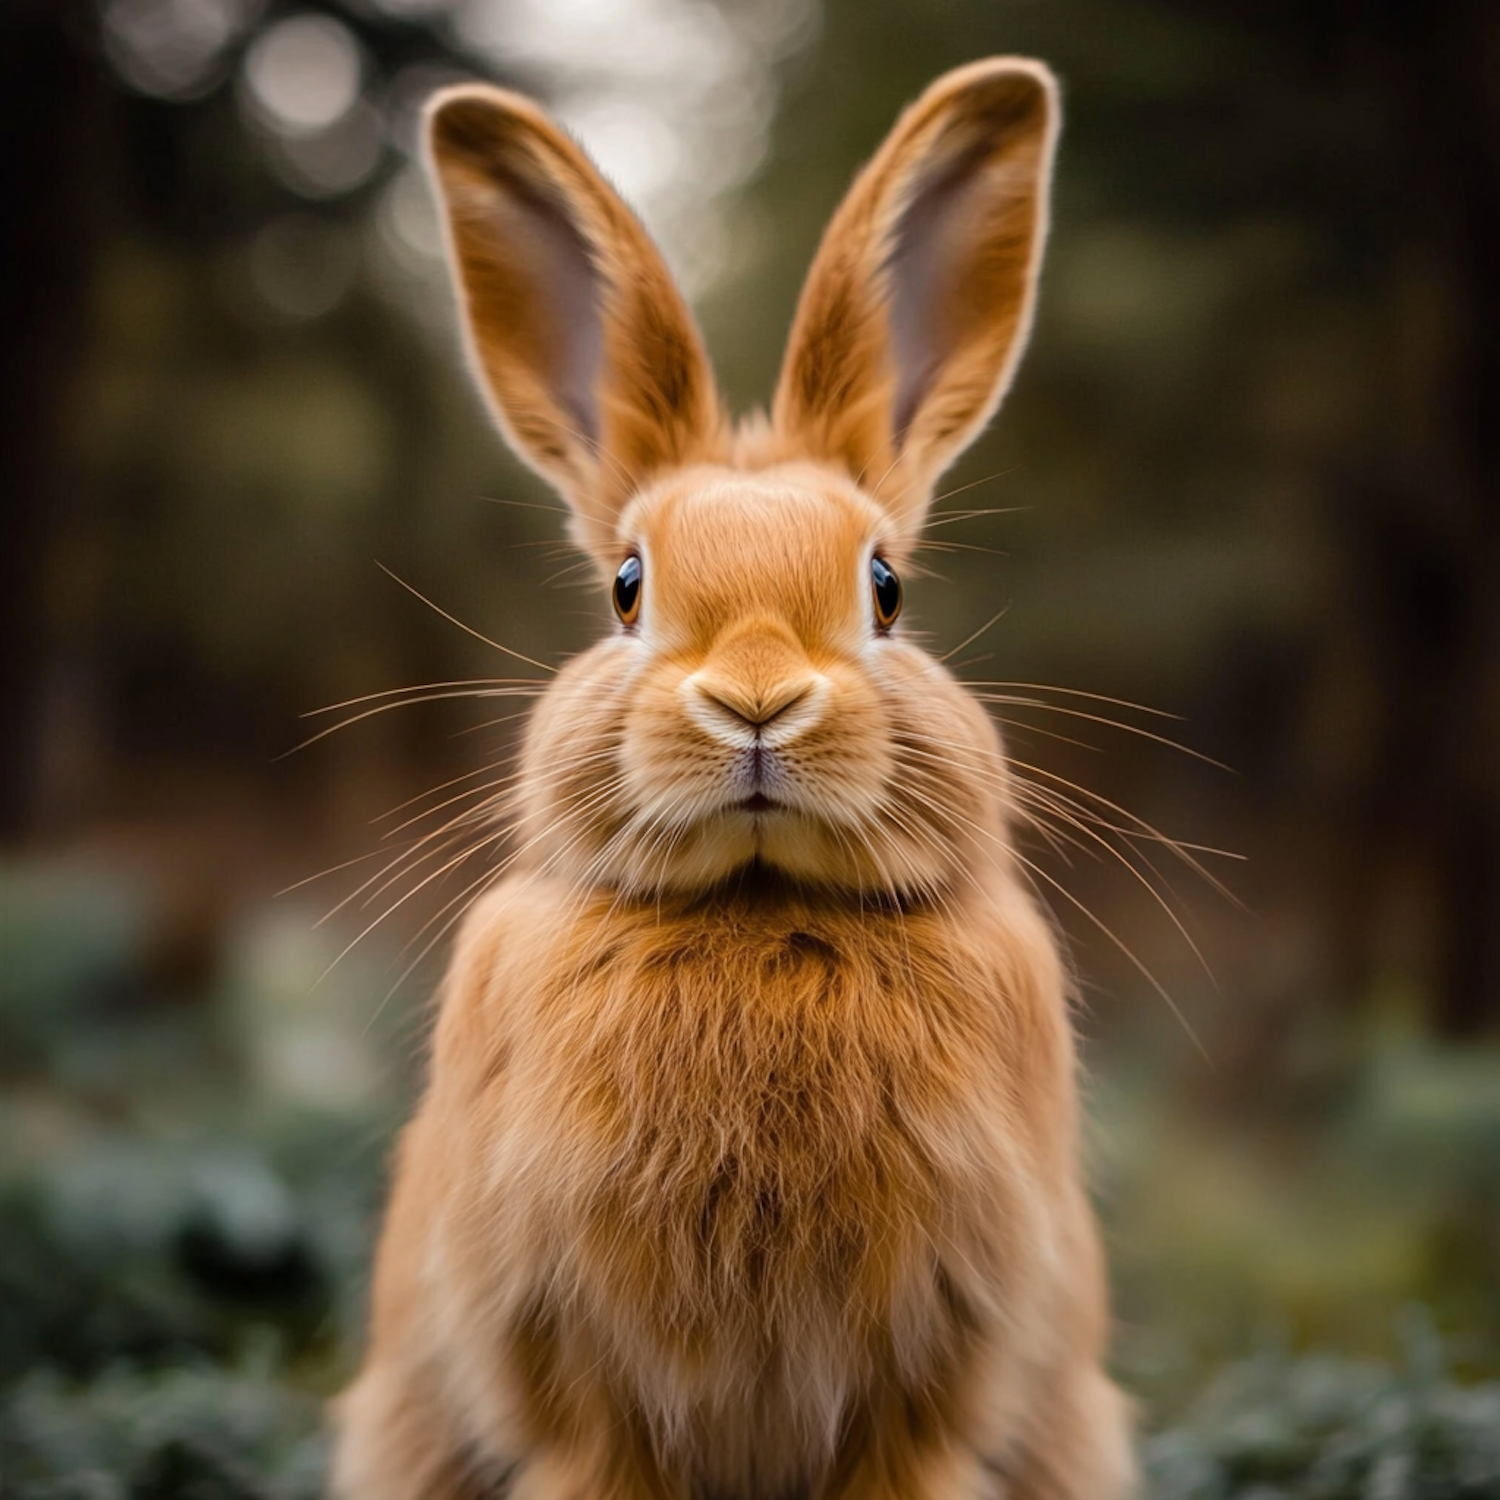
x=432 y=791
x=408 y=854
x=383 y=708
x=458 y=734
x=586 y=565
x=953 y=517
x=934 y=546
x=1156 y=895
x=404 y=861
x=467 y=629
x=354 y=942
x=1078 y=713
x=412 y=967
x=552 y=510
x=1177 y=847
x=490 y=791
x=974 y=484
x=1020 y=726
x=969 y=640
x=1141 y=968
x=1009 y=848
x=468 y=853
x=348 y=864
x=420 y=687
x=1045 y=687
x=1142 y=829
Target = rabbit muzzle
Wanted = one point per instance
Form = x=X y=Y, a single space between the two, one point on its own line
x=757 y=691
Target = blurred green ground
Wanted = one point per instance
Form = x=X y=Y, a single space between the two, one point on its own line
x=189 y=1184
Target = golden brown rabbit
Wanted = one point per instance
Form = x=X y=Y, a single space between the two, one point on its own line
x=748 y=1166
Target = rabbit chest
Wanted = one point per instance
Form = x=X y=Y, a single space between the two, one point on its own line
x=760 y=1145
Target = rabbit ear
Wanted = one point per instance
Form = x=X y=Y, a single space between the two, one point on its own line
x=591 y=359
x=920 y=299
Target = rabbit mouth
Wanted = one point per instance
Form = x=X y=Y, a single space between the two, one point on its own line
x=758 y=802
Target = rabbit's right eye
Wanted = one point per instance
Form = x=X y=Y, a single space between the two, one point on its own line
x=886 y=589
x=628 y=591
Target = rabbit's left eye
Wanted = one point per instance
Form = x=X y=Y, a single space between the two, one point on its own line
x=628 y=590
x=885 y=588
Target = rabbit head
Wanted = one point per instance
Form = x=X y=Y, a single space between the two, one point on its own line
x=758 y=705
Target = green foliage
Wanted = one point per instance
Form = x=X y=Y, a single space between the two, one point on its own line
x=1318 y=1428
x=170 y=1321
x=186 y=1434
x=65 y=942
x=141 y=1253
x=1271 y=1428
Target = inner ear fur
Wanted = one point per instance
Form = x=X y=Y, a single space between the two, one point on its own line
x=920 y=298
x=592 y=362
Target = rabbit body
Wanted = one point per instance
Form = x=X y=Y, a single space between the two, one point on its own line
x=742 y=1196
x=748 y=1164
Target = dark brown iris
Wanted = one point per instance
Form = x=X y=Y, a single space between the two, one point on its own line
x=628 y=590
x=886 y=590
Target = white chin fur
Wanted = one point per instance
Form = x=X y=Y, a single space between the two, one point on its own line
x=731 y=840
x=735 y=839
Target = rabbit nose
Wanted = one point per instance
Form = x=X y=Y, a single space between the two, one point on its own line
x=757 y=685
x=755 y=707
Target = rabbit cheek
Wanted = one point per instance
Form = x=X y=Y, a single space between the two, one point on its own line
x=942 y=799
x=680 y=833
x=570 y=803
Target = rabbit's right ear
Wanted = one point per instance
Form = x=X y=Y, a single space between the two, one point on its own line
x=589 y=355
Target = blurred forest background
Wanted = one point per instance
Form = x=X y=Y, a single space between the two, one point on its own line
x=1249 y=477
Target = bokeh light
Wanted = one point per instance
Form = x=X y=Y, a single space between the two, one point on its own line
x=174 y=48
x=302 y=75
x=330 y=163
x=673 y=98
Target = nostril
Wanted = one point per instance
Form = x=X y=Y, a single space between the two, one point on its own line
x=783 y=704
x=755 y=710
x=742 y=713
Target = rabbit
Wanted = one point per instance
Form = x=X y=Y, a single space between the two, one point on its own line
x=748 y=1166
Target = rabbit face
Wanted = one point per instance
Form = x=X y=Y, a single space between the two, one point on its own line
x=760 y=710
x=758 y=713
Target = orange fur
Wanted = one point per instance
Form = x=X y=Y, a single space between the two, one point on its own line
x=748 y=1164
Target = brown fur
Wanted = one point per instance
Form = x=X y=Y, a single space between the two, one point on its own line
x=748 y=1166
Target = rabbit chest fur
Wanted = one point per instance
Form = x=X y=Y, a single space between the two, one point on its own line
x=741 y=1167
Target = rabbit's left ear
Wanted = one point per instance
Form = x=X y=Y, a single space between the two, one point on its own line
x=918 y=304
x=591 y=359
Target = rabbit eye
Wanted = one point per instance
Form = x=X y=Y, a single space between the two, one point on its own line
x=885 y=588
x=628 y=590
